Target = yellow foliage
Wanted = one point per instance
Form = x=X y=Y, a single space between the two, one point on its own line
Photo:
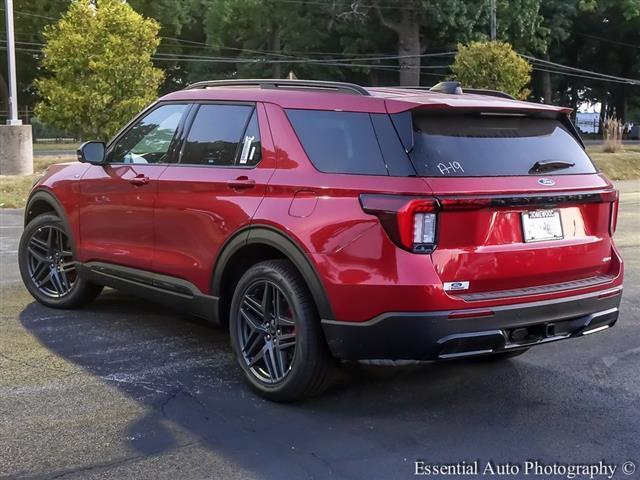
x=494 y=66
x=99 y=71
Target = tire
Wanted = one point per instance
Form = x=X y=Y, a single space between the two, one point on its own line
x=275 y=369
x=496 y=357
x=44 y=248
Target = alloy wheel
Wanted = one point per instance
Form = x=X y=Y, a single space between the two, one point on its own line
x=266 y=331
x=50 y=262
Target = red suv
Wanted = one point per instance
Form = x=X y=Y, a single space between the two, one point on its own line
x=323 y=219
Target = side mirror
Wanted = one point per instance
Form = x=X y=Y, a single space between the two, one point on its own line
x=92 y=152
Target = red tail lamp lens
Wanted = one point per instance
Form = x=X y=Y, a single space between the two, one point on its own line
x=409 y=221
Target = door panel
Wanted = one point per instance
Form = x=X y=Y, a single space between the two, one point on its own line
x=201 y=205
x=116 y=214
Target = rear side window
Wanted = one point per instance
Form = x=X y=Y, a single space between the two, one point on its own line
x=339 y=142
x=216 y=135
x=494 y=145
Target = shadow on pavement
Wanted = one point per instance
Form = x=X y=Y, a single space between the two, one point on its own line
x=374 y=423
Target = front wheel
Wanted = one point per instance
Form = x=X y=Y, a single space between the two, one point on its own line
x=48 y=268
x=276 y=333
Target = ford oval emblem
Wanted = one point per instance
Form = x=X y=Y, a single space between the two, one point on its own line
x=547 y=182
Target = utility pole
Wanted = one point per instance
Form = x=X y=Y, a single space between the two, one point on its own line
x=12 y=118
x=492 y=14
x=16 y=144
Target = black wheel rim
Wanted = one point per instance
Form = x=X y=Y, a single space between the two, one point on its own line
x=50 y=262
x=266 y=329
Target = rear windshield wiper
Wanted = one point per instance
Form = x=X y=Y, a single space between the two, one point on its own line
x=547 y=165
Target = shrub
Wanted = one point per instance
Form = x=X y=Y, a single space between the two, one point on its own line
x=612 y=129
x=494 y=66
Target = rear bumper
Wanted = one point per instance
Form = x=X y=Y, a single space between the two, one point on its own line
x=440 y=335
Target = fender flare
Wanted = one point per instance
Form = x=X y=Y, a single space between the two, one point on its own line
x=52 y=201
x=275 y=238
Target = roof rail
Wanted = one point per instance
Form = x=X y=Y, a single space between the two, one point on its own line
x=343 y=87
x=475 y=91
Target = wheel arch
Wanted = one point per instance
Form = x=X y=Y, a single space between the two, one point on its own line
x=43 y=201
x=257 y=243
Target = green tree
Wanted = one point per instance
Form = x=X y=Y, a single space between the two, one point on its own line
x=419 y=26
x=30 y=16
x=492 y=65
x=277 y=33
x=100 y=73
x=607 y=40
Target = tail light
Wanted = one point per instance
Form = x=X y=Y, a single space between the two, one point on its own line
x=411 y=222
x=613 y=219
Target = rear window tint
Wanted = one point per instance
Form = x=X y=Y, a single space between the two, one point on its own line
x=339 y=142
x=493 y=145
x=215 y=134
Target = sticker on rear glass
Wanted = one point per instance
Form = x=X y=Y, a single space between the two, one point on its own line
x=246 y=148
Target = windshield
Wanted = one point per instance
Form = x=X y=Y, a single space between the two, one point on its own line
x=494 y=145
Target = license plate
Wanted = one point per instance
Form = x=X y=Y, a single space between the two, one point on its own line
x=540 y=225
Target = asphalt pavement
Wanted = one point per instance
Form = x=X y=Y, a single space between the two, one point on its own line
x=123 y=389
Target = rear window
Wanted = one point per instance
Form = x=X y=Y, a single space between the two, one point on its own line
x=494 y=145
x=339 y=142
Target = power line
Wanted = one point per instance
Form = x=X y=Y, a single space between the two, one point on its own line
x=161 y=56
x=602 y=39
x=345 y=4
x=580 y=70
x=214 y=46
x=558 y=72
x=28 y=14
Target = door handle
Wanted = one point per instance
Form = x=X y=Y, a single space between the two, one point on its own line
x=139 y=180
x=241 y=183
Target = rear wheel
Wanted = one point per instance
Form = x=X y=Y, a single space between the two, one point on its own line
x=48 y=268
x=276 y=334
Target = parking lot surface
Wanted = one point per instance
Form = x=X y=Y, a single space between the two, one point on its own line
x=124 y=389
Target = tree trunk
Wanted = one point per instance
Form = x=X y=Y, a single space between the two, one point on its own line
x=620 y=103
x=276 y=68
x=4 y=94
x=603 y=113
x=546 y=84
x=409 y=48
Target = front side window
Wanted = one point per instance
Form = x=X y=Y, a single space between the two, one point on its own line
x=149 y=139
x=223 y=135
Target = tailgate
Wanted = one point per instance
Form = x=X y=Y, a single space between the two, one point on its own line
x=482 y=236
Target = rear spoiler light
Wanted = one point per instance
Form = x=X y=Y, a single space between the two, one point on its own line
x=528 y=200
x=411 y=221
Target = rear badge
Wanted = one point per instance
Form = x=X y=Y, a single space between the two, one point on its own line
x=547 y=182
x=449 y=286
